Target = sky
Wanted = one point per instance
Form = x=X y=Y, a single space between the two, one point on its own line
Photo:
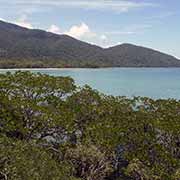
x=150 y=23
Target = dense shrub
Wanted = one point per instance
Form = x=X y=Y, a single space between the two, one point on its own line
x=50 y=129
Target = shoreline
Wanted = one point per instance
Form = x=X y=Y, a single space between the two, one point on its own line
x=74 y=68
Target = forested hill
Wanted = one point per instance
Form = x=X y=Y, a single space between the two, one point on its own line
x=21 y=47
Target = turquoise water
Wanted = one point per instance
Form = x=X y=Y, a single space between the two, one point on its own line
x=150 y=82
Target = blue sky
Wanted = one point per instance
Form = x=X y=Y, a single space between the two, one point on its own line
x=150 y=23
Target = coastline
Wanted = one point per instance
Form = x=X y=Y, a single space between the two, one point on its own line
x=79 y=68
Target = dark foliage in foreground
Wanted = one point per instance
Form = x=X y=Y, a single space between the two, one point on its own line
x=50 y=129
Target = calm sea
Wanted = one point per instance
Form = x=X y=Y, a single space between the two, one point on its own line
x=150 y=82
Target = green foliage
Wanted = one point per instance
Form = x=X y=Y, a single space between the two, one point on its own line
x=21 y=160
x=28 y=103
x=50 y=129
x=136 y=169
x=89 y=162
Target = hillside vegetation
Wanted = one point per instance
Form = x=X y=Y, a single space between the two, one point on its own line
x=25 y=48
x=52 y=130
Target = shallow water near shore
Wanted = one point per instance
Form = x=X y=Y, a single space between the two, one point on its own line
x=151 y=82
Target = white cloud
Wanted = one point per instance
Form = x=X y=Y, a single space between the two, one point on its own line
x=76 y=31
x=1 y=19
x=22 y=21
x=113 y=5
x=80 y=31
x=103 y=37
x=54 y=29
x=85 y=33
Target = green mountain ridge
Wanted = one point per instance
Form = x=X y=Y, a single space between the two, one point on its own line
x=27 y=48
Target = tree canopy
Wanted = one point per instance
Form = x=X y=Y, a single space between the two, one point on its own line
x=52 y=129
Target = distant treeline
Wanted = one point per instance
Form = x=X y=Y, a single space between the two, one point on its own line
x=52 y=130
x=29 y=63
